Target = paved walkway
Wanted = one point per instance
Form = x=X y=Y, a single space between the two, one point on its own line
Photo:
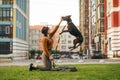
x=61 y=61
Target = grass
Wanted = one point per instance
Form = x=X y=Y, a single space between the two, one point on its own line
x=85 y=72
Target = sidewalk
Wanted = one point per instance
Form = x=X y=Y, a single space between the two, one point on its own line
x=61 y=61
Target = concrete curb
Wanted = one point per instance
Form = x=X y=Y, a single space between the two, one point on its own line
x=60 y=62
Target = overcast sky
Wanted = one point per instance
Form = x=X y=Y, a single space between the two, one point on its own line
x=50 y=11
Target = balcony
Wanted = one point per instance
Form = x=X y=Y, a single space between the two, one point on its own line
x=6 y=35
x=101 y=29
x=100 y=1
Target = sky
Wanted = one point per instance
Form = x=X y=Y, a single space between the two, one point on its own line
x=49 y=11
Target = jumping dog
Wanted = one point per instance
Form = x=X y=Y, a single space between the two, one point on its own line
x=73 y=30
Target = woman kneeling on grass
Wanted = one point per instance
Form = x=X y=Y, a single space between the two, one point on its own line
x=47 y=43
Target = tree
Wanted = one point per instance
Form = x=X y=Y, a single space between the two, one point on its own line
x=54 y=51
x=32 y=52
x=39 y=51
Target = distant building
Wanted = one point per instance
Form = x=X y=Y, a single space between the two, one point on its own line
x=35 y=37
x=113 y=28
x=14 y=26
x=84 y=23
x=103 y=29
x=98 y=10
x=92 y=25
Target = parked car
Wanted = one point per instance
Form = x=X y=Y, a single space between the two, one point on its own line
x=85 y=56
x=75 y=56
x=56 y=56
x=96 y=55
x=63 y=56
x=38 y=56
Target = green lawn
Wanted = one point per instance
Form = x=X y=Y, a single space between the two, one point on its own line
x=85 y=72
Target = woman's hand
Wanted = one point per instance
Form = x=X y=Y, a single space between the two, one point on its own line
x=51 y=58
x=61 y=18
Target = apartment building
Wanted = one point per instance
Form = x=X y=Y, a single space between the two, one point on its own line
x=14 y=26
x=84 y=24
x=99 y=24
x=113 y=28
x=92 y=25
x=104 y=22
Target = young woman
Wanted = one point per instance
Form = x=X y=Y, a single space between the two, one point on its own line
x=47 y=43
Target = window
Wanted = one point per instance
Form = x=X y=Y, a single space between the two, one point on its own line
x=108 y=7
x=3 y=30
x=5 y=48
x=0 y=14
x=63 y=41
x=69 y=36
x=32 y=41
x=63 y=47
x=0 y=30
x=86 y=41
x=7 y=30
x=101 y=26
x=6 y=14
x=109 y=43
x=101 y=11
x=11 y=12
x=109 y=22
x=0 y=1
x=69 y=41
x=11 y=1
x=22 y=5
x=6 y=1
x=101 y=1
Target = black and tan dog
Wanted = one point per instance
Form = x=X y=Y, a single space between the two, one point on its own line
x=72 y=29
